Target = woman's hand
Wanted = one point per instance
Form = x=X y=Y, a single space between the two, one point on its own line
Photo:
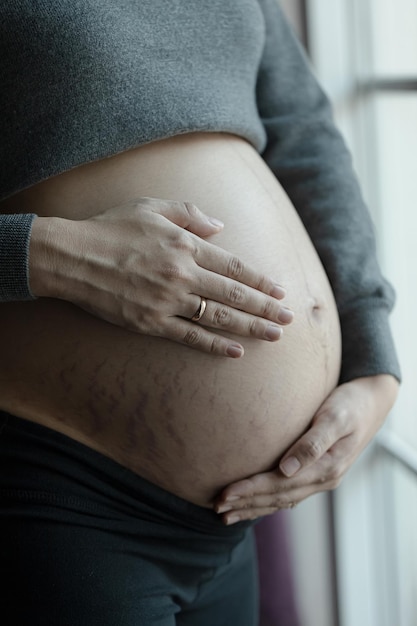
x=342 y=427
x=144 y=266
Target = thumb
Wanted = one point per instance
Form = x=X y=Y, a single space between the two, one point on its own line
x=188 y=216
x=311 y=446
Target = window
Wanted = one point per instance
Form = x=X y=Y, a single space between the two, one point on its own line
x=365 y=54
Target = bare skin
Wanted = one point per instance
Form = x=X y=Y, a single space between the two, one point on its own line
x=130 y=283
x=139 y=397
x=340 y=430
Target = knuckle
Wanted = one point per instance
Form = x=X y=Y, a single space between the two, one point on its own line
x=137 y=205
x=192 y=337
x=341 y=416
x=182 y=241
x=249 y=488
x=144 y=323
x=236 y=294
x=143 y=203
x=269 y=309
x=324 y=480
x=221 y=316
x=334 y=476
x=280 y=504
x=313 y=449
x=262 y=284
x=173 y=271
x=235 y=267
x=191 y=209
x=276 y=501
x=215 y=345
x=255 y=328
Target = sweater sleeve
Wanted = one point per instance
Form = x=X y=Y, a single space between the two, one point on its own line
x=14 y=257
x=309 y=157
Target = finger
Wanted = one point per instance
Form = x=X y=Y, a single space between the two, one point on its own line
x=237 y=296
x=241 y=516
x=284 y=500
x=219 y=261
x=271 y=488
x=231 y=320
x=312 y=445
x=326 y=476
x=195 y=336
x=255 y=513
x=257 y=485
x=276 y=493
x=188 y=216
x=265 y=505
x=281 y=499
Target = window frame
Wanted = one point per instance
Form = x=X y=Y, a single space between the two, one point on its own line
x=367 y=493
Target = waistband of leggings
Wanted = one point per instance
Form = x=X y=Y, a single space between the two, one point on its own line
x=37 y=457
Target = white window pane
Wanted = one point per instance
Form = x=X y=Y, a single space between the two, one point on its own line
x=394 y=39
x=396 y=121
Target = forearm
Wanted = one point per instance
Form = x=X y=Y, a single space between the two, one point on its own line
x=309 y=157
x=325 y=192
x=34 y=254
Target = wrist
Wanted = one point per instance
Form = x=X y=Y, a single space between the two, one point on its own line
x=383 y=389
x=51 y=247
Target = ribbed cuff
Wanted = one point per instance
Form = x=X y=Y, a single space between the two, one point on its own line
x=368 y=345
x=15 y=233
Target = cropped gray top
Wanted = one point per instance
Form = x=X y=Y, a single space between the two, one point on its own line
x=86 y=79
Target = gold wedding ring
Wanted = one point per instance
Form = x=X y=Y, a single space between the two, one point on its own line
x=200 y=311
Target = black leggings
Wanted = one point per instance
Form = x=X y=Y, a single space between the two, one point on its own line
x=84 y=541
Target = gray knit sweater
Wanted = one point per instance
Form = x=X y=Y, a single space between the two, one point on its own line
x=85 y=79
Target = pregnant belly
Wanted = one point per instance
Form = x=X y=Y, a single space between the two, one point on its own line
x=188 y=421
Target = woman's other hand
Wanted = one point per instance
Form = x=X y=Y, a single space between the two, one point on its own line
x=144 y=266
x=342 y=427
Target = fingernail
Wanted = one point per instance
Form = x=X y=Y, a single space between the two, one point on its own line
x=232 y=520
x=273 y=332
x=285 y=315
x=224 y=507
x=290 y=466
x=234 y=350
x=217 y=223
x=278 y=292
